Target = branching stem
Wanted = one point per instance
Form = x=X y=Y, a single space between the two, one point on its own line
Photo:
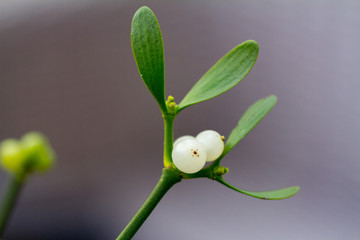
x=170 y=175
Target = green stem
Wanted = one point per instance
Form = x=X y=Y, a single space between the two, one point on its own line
x=8 y=201
x=168 y=179
x=168 y=139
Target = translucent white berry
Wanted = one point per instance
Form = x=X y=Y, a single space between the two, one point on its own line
x=189 y=155
x=212 y=142
x=182 y=138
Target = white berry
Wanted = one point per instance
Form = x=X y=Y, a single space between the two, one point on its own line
x=189 y=155
x=182 y=138
x=212 y=142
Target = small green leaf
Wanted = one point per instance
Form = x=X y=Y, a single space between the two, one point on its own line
x=266 y=195
x=225 y=74
x=147 y=46
x=253 y=115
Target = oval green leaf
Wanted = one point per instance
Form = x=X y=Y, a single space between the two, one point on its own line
x=147 y=46
x=253 y=115
x=266 y=195
x=225 y=74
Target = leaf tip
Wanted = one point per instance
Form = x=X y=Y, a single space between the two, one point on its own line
x=296 y=189
x=273 y=97
x=252 y=43
x=144 y=8
x=293 y=190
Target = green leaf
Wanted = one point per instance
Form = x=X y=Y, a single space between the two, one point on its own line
x=147 y=46
x=225 y=74
x=266 y=195
x=253 y=115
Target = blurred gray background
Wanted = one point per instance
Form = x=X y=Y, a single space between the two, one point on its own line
x=67 y=70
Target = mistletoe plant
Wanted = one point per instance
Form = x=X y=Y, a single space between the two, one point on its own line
x=147 y=46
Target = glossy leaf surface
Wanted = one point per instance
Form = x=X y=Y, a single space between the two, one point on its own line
x=253 y=115
x=224 y=75
x=266 y=195
x=147 y=46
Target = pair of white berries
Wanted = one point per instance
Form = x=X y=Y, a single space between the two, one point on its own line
x=191 y=153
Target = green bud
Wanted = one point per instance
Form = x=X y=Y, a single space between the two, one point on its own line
x=11 y=156
x=39 y=154
x=220 y=170
x=170 y=99
x=171 y=105
x=32 y=153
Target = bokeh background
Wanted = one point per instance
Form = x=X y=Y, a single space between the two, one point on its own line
x=66 y=69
